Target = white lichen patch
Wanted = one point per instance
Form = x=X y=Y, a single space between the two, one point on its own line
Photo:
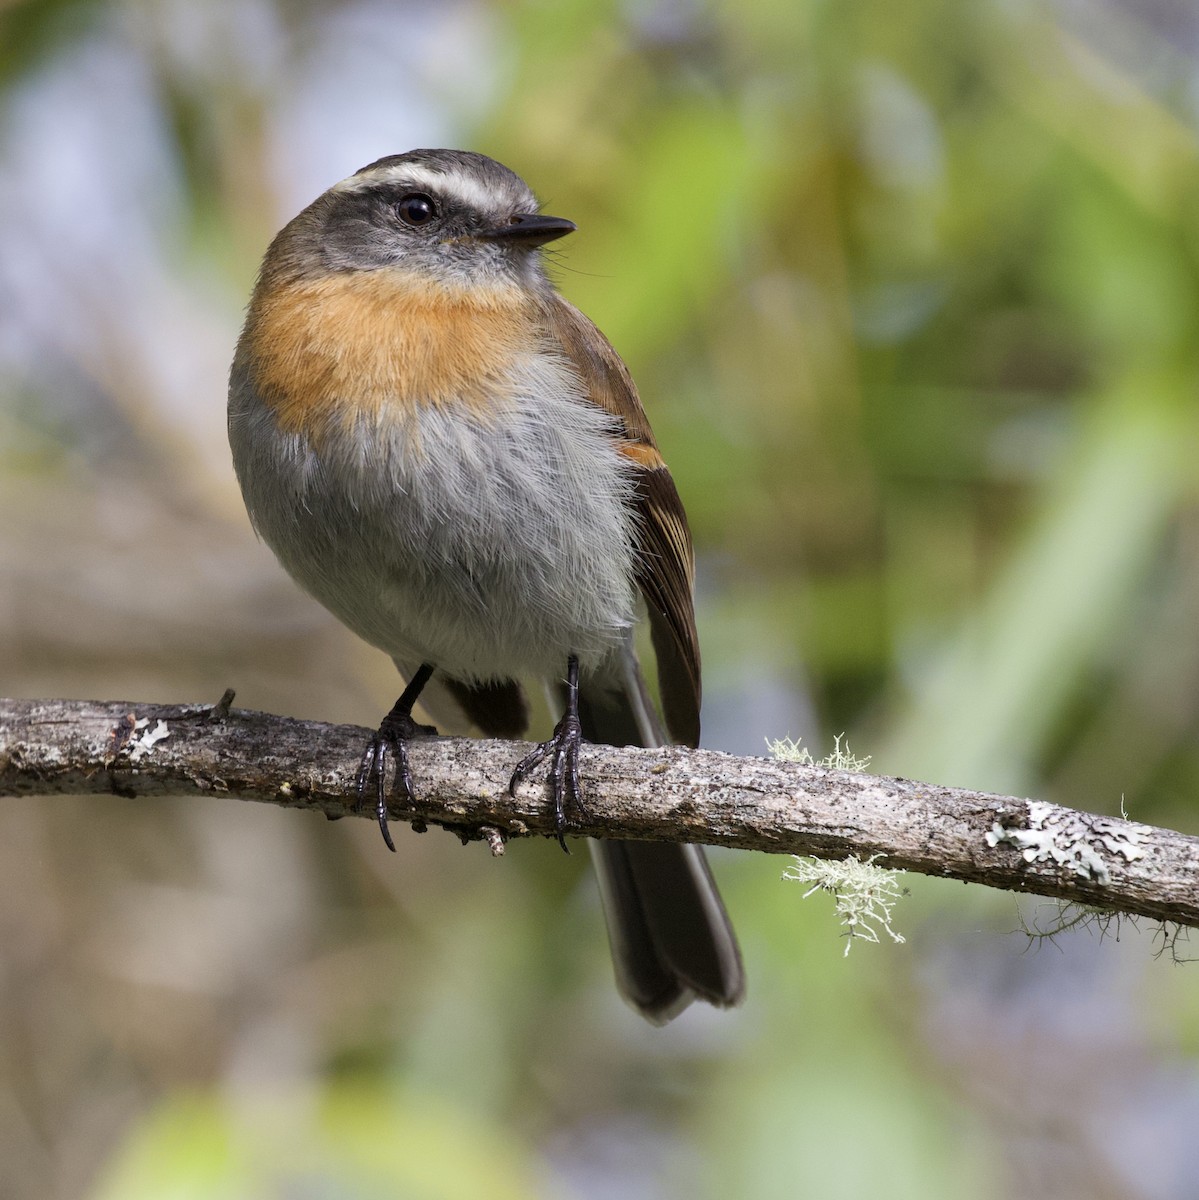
x=864 y=894
x=1072 y=840
x=139 y=747
x=841 y=757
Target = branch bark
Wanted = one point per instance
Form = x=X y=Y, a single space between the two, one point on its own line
x=57 y=747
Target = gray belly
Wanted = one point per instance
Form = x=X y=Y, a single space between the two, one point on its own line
x=490 y=550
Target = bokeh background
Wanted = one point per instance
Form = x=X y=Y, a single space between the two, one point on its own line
x=912 y=295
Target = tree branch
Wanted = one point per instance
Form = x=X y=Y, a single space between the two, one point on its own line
x=61 y=747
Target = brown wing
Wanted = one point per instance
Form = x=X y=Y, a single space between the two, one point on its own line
x=665 y=561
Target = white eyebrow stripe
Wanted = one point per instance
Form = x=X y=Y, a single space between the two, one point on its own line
x=462 y=187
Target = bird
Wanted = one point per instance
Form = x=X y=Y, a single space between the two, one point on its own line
x=453 y=460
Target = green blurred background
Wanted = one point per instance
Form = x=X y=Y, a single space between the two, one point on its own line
x=912 y=295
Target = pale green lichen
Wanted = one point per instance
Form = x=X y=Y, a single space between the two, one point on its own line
x=142 y=745
x=864 y=894
x=1074 y=841
x=841 y=758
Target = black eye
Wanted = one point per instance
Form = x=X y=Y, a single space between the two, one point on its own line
x=416 y=209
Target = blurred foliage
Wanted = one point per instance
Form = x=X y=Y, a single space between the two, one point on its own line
x=351 y=1143
x=912 y=297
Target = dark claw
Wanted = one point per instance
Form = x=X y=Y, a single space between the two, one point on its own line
x=393 y=735
x=564 y=746
x=374 y=766
x=564 y=777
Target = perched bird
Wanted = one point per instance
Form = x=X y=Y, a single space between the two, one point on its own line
x=454 y=461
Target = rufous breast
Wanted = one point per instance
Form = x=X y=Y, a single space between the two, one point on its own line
x=355 y=344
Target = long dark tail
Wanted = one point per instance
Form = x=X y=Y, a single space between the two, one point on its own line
x=671 y=938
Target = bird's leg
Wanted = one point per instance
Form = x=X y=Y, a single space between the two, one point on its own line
x=393 y=735
x=564 y=768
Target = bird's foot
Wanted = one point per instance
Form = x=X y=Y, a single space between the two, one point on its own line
x=564 y=780
x=392 y=737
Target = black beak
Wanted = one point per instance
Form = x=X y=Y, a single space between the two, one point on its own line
x=530 y=230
